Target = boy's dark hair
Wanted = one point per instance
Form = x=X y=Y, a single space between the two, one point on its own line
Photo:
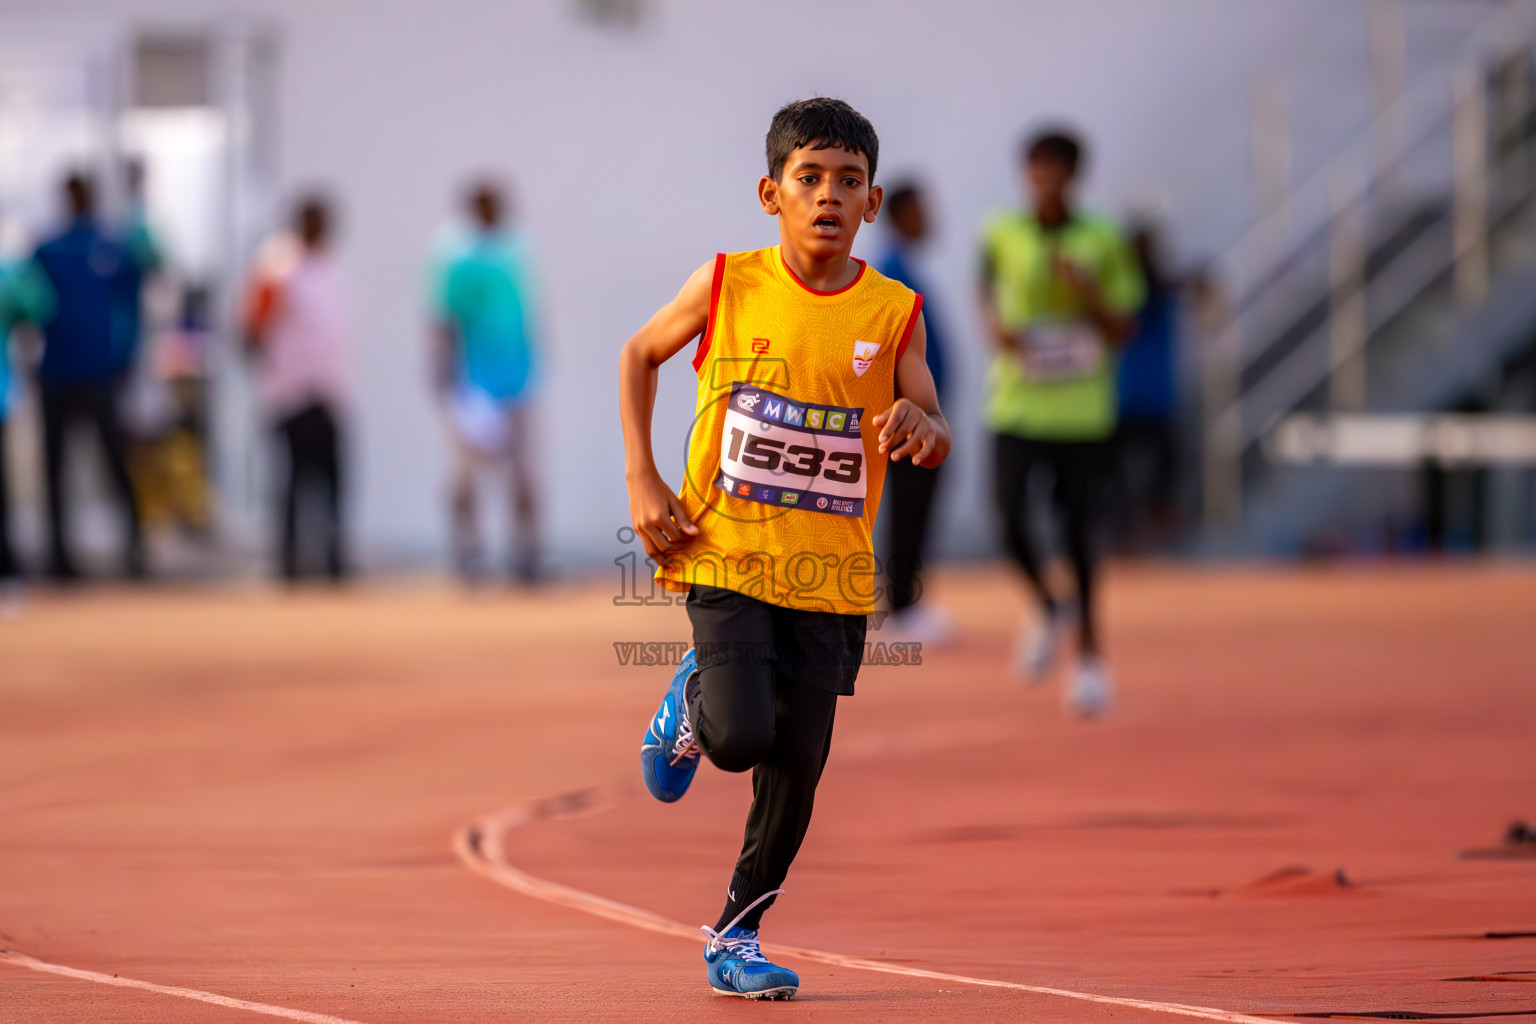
x=819 y=123
x=1059 y=144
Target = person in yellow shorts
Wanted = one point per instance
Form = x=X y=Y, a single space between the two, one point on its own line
x=1059 y=289
x=811 y=378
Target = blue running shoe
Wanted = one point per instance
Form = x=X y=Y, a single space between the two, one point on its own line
x=668 y=755
x=737 y=967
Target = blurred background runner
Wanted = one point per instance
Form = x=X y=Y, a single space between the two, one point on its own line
x=298 y=327
x=485 y=363
x=87 y=342
x=910 y=490
x=1059 y=289
x=1146 y=434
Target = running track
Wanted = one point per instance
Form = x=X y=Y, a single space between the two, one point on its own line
x=402 y=805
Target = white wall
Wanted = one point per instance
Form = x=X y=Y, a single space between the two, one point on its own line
x=636 y=153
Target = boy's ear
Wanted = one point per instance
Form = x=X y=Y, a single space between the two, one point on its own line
x=872 y=207
x=768 y=195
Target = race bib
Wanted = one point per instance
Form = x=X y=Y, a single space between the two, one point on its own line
x=793 y=455
x=1060 y=351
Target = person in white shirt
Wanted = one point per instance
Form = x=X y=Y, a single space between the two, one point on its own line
x=298 y=328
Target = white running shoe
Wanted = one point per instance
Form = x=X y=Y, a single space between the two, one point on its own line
x=1090 y=693
x=1036 y=653
x=922 y=624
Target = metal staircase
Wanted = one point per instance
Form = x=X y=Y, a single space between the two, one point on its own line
x=1401 y=278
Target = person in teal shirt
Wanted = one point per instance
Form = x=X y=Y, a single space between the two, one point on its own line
x=486 y=368
x=25 y=298
x=1059 y=288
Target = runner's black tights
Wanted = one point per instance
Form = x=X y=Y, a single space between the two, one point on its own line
x=749 y=715
x=1075 y=469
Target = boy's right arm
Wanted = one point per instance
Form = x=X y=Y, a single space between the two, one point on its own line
x=655 y=510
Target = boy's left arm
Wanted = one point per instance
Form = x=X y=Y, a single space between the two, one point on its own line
x=913 y=426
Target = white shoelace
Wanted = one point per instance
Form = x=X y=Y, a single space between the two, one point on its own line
x=684 y=746
x=743 y=946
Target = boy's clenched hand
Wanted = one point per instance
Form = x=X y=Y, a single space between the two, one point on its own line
x=906 y=429
x=658 y=516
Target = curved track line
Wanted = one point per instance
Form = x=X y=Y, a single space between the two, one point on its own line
x=479 y=845
x=15 y=959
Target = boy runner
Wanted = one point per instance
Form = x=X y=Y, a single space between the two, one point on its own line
x=811 y=376
x=1059 y=288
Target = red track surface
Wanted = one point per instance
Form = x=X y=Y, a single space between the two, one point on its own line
x=254 y=796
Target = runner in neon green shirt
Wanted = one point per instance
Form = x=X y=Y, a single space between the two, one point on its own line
x=1059 y=289
x=1061 y=298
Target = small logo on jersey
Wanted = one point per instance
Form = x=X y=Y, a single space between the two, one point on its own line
x=773 y=410
x=821 y=502
x=835 y=420
x=760 y=346
x=853 y=423
x=748 y=401
x=842 y=505
x=863 y=354
x=765 y=493
x=794 y=415
x=814 y=418
x=789 y=498
x=727 y=483
x=745 y=490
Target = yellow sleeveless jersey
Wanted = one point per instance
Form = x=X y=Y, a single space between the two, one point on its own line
x=784 y=469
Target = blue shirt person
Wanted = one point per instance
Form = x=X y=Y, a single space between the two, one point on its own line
x=1148 y=448
x=85 y=340
x=897 y=263
x=1146 y=373
x=90 y=272
x=911 y=489
x=487 y=368
x=483 y=293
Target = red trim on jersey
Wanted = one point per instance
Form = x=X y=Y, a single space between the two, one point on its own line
x=714 y=303
x=816 y=291
x=906 y=335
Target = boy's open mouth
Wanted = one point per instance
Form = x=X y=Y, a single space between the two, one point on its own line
x=828 y=222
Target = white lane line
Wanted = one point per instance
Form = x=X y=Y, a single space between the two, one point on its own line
x=15 y=959
x=479 y=845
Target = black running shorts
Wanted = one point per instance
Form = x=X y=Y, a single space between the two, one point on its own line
x=819 y=649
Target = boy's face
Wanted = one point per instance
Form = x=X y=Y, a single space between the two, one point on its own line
x=1050 y=180
x=821 y=199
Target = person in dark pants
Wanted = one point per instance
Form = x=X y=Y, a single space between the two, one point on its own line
x=910 y=489
x=90 y=273
x=312 y=443
x=1059 y=288
x=298 y=326
x=764 y=699
x=1146 y=437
